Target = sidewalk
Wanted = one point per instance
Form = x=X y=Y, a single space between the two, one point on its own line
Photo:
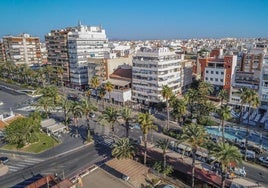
x=183 y=164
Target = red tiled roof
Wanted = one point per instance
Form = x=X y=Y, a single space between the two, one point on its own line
x=120 y=73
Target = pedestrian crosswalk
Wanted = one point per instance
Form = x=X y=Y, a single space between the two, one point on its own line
x=104 y=140
x=21 y=163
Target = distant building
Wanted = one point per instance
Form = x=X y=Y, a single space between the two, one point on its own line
x=218 y=69
x=152 y=69
x=22 y=49
x=186 y=74
x=105 y=66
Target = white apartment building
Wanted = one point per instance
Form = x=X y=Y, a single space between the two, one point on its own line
x=84 y=42
x=152 y=69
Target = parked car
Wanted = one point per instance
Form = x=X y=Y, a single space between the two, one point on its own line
x=240 y=171
x=264 y=160
x=3 y=160
x=250 y=154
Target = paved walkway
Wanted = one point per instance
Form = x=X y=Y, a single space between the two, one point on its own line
x=183 y=164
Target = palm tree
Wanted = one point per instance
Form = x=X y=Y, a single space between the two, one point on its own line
x=244 y=92
x=108 y=86
x=46 y=104
x=205 y=89
x=110 y=115
x=146 y=122
x=102 y=93
x=191 y=98
x=163 y=144
x=66 y=105
x=166 y=94
x=60 y=72
x=87 y=109
x=222 y=95
x=88 y=94
x=95 y=83
x=126 y=114
x=194 y=135
x=226 y=154
x=225 y=113
x=251 y=98
x=77 y=112
x=123 y=149
x=48 y=71
x=179 y=109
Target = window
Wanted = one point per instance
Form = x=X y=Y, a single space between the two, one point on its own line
x=217 y=72
x=216 y=79
x=206 y=71
x=206 y=78
x=221 y=73
x=211 y=79
x=221 y=80
x=228 y=75
x=212 y=72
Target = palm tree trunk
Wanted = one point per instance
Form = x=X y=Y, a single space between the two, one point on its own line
x=193 y=167
x=88 y=129
x=165 y=160
x=145 y=149
x=167 y=115
x=241 y=113
x=222 y=126
x=246 y=142
x=103 y=103
x=223 y=179
x=127 y=129
x=113 y=132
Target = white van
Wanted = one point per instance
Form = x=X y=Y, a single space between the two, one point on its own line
x=249 y=154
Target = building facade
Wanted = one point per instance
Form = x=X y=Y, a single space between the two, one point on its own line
x=84 y=42
x=22 y=49
x=218 y=70
x=152 y=69
x=57 y=52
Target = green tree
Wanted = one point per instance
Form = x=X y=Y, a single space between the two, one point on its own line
x=179 y=109
x=22 y=131
x=126 y=115
x=123 y=149
x=60 y=72
x=226 y=154
x=225 y=113
x=166 y=94
x=108 y=86
x=146 y=122
x=223 y=96
x=77 y=112
x=46 y=104
x=88 y=94
x=194 y=135
x=102 y=93
x=66 y=106
x=251 y=98
x=95 y=83
x=110 y=115
x=87 y=109
x=191 y=98
x=163 y=145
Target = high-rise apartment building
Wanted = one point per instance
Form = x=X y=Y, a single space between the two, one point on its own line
x=71 y=47
x=152 y=69
x=57 y=52
x=84 y=42
x=22 y=49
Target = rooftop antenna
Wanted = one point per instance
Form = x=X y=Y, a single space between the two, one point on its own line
x=79 y=23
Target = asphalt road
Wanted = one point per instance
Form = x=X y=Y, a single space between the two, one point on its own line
x=66 y=165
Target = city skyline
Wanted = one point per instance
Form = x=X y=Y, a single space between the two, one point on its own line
x=139 y=19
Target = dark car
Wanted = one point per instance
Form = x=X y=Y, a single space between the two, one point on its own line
x=3 y=160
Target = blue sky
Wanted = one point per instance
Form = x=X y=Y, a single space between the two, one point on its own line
x=139 y=19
